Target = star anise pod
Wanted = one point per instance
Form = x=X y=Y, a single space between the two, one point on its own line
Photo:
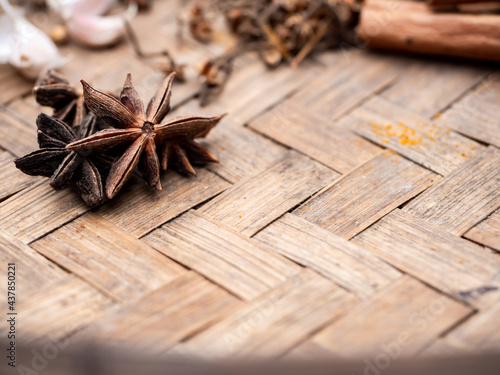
x=63 y=166
x=142 y=132
x=55 y=91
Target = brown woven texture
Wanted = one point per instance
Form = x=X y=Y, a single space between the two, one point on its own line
x=352 y=215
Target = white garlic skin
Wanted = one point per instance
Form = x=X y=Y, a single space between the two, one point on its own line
x=24 y=46
x=68 y=7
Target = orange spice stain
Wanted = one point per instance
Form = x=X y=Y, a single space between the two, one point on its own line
x=303 y=210
x=403 y=133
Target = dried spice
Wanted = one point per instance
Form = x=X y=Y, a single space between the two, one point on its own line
x=294 y=28
x=200 y=27
x=281 y=31
x=55 y=91
x=214 y=73
x=74 y=154
x=63 y=166
x=400 y=132
x=143 y=133
x=59 y=35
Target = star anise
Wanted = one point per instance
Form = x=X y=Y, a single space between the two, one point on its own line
x=55 y=91
x=142 y=132
x=63 y=166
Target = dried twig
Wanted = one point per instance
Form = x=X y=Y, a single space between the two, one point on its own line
x=167 y=67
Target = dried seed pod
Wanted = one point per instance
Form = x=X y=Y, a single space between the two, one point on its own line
x=201 y=29
x=305 y=31
x=287 y=29
x=59 y=35
x=286 y=37
x=214 y=75
x=288 y=5
x=211 y=73
x=272 y=57
x=141 y=131
x=205 y=67
x=55 y=91
x=234 y=17
x=301 y=5
x=295 y=19
x=64 y=167
x=248 y=29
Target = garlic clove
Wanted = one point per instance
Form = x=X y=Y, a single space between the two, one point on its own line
x=93 y=6
x=68 y=7
x=5 y=47
x=28 y=49
x=99 y=31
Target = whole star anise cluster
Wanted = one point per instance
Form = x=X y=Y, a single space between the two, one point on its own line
x=94 y=142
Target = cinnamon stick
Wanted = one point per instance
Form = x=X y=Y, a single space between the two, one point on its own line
x=438 y=3
x=413 y=27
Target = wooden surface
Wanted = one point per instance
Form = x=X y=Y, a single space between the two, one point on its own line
x=354 y=212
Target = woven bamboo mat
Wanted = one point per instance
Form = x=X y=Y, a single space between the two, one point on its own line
x=353 y=214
